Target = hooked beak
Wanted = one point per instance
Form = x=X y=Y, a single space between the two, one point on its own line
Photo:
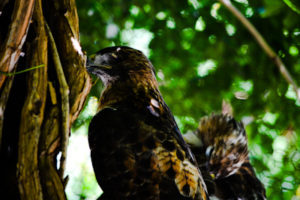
x=93 y=67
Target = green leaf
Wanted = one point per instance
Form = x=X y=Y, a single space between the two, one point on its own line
x=293 y=4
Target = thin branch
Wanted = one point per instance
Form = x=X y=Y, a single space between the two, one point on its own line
x=22 y=71
x=64 y=91
x=264 y=45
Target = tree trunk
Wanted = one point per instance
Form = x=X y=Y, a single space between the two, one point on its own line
x=37 y=107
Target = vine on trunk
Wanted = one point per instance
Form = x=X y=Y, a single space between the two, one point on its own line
x=39 y=106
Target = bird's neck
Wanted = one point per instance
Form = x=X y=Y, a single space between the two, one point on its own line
x=134 y=89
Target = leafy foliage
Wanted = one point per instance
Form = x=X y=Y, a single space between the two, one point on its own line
x=203 y=55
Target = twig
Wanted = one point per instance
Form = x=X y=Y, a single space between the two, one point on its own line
x=264 y=45
x=64 y=91
x=22 y=71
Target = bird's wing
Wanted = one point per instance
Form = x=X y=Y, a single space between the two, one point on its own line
x=137 y=156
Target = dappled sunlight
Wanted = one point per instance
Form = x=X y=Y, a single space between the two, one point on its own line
x=82 y=183
x=203 y=55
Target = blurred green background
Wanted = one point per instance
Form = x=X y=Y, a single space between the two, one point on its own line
x=204 y=56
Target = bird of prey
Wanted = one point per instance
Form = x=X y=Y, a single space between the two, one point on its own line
x=222 y=155
x=136 y=147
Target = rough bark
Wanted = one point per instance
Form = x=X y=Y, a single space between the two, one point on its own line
x=16 y=36
x=33 y=110
x=37 y=108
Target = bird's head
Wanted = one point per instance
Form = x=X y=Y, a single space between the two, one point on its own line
x=125 y=72
x=225 y=142
x=120 y=64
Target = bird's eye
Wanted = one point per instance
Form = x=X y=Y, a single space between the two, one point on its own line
x=114 y=55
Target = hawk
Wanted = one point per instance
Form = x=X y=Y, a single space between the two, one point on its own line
x=136 y=147
x=222 y=155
